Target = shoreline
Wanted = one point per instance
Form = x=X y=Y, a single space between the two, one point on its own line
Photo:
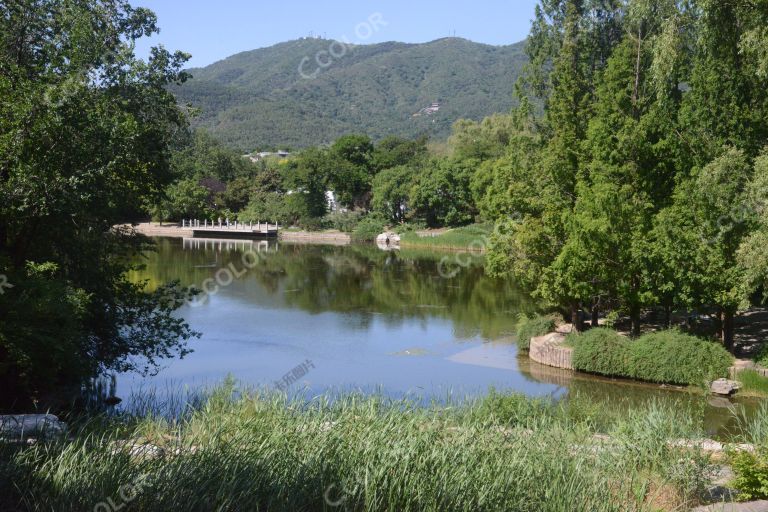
x=176 y=231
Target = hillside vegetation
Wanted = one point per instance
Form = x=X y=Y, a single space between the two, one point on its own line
x=259 y=99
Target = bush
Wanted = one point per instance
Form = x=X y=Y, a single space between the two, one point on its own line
x=669 y=357
x=602 y=351
x=311 y=224
x=677 y=358
x=343 y=221
x=530 y=327
x=369 y=228
x=761 y=357
x=751 y=475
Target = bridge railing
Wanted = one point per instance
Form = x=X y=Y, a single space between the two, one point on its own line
x=225 y=224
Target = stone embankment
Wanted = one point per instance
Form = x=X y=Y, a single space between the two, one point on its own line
x=550 y=349
x=156 y=229
x=745 y=364
x=310 y=237
x=313 y=237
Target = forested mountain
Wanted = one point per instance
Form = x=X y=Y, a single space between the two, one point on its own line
x=268 y=98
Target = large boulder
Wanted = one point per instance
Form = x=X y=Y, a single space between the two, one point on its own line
x=388 y=241
x=21 y=427
x=388 y=238
x=724 y=387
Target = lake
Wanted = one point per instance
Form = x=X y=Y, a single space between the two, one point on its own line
x=409 y=323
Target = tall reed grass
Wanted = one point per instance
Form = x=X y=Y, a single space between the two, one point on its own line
x=236 y=450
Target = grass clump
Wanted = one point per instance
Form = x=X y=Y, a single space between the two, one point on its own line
x=753 y=382
x=472 y=238
x=259 y=451
x=667 y=357
x=531 y=327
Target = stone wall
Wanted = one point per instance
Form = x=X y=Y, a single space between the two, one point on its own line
x=549 y=350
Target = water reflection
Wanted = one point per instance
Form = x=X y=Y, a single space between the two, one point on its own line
x=367 y=319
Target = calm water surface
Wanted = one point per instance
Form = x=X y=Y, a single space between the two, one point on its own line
x=407 y=323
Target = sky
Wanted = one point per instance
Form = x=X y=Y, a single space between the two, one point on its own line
x=211 y=31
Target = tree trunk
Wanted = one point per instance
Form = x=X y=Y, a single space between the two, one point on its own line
x=727 y=331
x=634 y=316
x=576 y=318
x=668 y=316
x=719 y=325
x=595 y=316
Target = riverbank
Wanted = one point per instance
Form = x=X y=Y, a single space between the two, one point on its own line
x=287 y=235
x=238 y=450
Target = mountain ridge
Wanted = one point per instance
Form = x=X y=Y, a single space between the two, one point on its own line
x=263 y=98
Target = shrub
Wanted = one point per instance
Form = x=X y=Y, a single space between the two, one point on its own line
x=677 y=358
x=369 y=228
x=762 y=356
x=530 y=327
x=602 y=351
x=751 y=475
x=311 y=224
x=343 y=221
x=669 y=357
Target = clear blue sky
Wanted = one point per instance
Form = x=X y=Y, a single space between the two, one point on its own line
x=211 y=31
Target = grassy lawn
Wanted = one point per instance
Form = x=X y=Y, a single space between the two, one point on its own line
x=474 y=237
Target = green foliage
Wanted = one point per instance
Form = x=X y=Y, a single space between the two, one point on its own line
x=512 y=409
x=369 y=228
x=203 y=156
x=395 y=151
x=601 y=351
x=269 y=207
x=677 y=358
x=259 y=98
x=472 y=238
x=751 y=474
x=262 y=450
x=186 y=199
x=86 y=130
x=670 y=357
x=441 y=194
x=391 y=192
x=753 y=382
x=343 y=221
x=350 y=169
x=531 y=327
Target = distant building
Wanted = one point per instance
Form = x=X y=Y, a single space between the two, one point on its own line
x=428 y=111
x=257 y=157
